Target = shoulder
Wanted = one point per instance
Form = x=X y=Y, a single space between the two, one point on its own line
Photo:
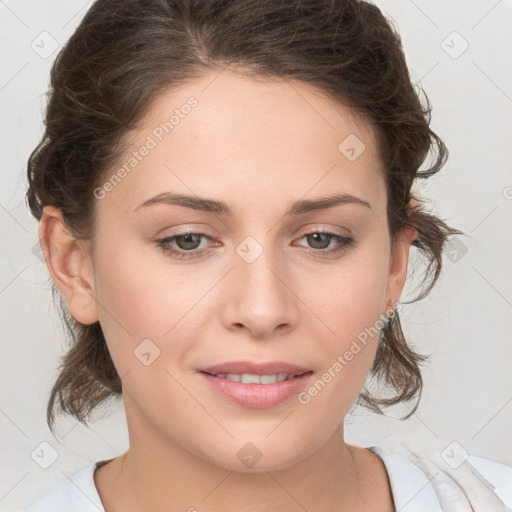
x=437 y=480
x=77 y=493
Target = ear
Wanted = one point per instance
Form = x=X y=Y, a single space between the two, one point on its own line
x=70 y=266
x=398 y=264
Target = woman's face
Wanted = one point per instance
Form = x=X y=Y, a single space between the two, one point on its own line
x=258 y=285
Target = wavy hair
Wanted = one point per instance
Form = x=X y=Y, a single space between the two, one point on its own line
x=125 y=53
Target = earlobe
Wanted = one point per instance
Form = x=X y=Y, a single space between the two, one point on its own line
x=399 y=262
x=69 y=264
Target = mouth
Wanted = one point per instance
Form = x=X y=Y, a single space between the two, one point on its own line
x=257 y=385
x=251 y=370
x=254 y=378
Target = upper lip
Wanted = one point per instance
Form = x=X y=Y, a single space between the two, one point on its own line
x=250 y=367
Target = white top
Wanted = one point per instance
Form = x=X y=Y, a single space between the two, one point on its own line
x=426 y=483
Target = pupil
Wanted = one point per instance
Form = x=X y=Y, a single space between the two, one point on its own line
x=187 y=237
x=316 y=237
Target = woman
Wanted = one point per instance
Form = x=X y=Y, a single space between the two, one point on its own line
x=225 y=206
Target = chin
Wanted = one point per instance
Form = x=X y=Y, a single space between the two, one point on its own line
x=260 y=455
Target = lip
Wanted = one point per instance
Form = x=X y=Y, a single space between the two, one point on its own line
x=255 y=368
x=257 y=396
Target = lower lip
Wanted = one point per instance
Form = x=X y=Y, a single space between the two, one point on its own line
x=258 y=396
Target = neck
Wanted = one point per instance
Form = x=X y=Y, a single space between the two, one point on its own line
x=159 y=474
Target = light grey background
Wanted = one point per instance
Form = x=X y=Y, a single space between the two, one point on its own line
x=465 y=322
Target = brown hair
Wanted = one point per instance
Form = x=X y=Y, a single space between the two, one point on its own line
x=125 y=52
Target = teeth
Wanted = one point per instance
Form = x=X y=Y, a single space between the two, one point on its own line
x=249 y=378
x=268 y=379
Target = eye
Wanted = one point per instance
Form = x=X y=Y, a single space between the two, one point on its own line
x=187 y=244
x=321 y=240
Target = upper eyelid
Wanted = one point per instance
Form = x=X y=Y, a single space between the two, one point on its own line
x=320 y=226
x=308 y=231
x=343 y=244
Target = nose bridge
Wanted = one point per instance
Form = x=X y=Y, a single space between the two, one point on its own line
x=260 y=294
x=258 y=262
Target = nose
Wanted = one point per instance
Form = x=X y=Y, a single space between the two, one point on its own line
x=259 y=292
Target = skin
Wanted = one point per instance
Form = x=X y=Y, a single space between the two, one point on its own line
x=258 y=145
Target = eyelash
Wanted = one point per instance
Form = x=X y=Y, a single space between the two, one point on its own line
x=344 y=244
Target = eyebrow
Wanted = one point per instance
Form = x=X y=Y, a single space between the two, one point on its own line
x=220 y=207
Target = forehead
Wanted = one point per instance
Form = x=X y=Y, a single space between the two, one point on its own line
x=229 y=134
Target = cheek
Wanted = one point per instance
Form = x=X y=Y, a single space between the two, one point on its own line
x=349 y=297
x=143 y=302
x=146 y=299
x=350 y=306
x=348 y=347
